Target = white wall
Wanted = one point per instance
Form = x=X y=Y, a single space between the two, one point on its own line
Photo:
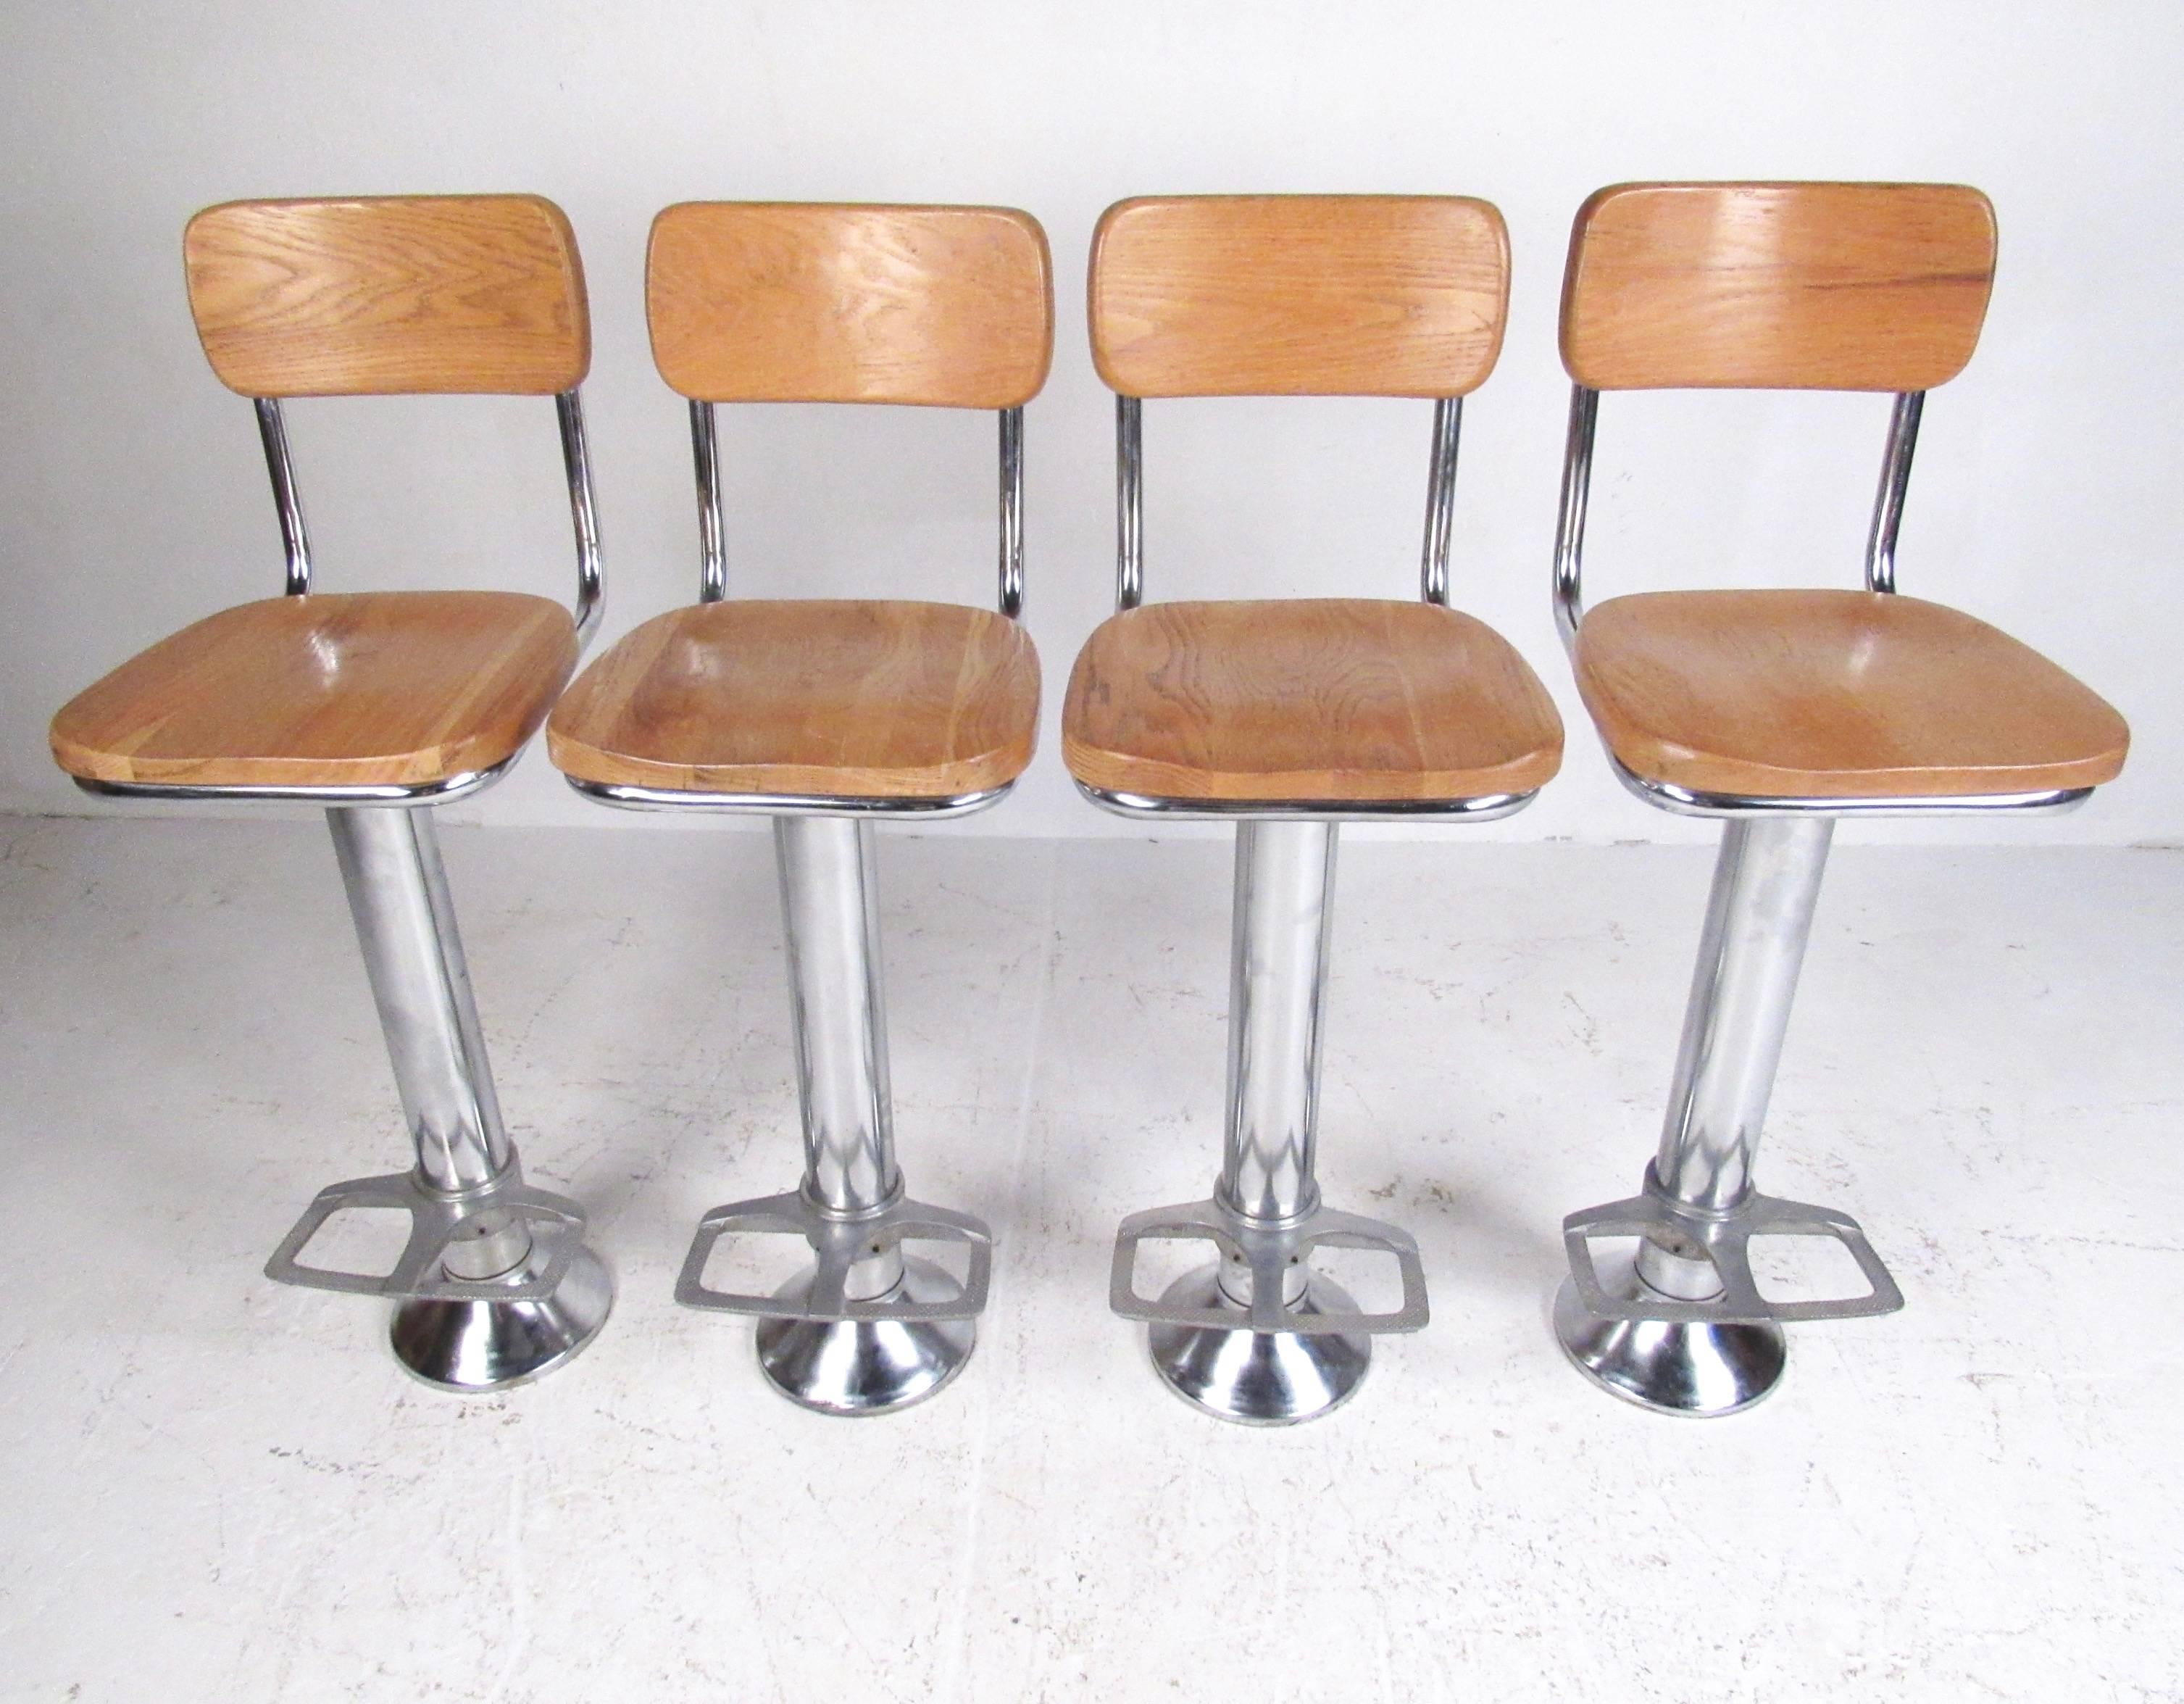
x=2048 y=497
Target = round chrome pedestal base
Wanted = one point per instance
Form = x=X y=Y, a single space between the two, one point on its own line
x=1699 y=1370
x=474 y=1347
x=854 y=1368
x=1258 y=1378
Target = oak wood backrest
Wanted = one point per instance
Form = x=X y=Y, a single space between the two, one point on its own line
x=1776 y=286
x=389 y=295
x=1299 y=295
x=798 y=302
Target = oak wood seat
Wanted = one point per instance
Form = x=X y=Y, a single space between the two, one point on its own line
x=811 y=697
x=1307 y=700
x=332 y=689
x=1835 y=694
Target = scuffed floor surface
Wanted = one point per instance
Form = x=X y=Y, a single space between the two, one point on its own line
x=213 y=1488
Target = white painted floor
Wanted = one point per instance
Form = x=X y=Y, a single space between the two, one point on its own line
x=213 y=1488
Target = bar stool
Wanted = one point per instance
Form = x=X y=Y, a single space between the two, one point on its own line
x=379 y=705
x=829 y=715
x=1778 y=711
x=1289 y=718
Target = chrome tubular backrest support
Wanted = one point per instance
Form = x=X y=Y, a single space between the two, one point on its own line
x=1013 y=506
x=1577 y=481
x=575 y=458
x=295 y=536
x=712 y=527
x=712 y=523
x=1569 y=522
x=1441 y=501
x=1888 y=500
x=583 y=512
x=1129 y=503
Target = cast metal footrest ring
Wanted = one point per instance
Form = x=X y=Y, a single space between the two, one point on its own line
x=1723 y=1239
x=438 y=1221
x=1269 y=1253
x=838 y=1244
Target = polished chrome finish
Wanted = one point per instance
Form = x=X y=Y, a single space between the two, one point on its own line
x=1257 y=1336
x=405 y=923
x=1759 y=914
x=1484 y=809
x=494 y=1281
x=1569 y=520
x=1281 y=924
x=868 y=1366
x=1258 y=1378
x=1262 y=1270
x=1012 y=508
x=712 y=525
x=633 y=798
x=397 y=794
x=1694 y=1371
x=295 y=536
x=1699 y=1212
x=1888 y=500
x=463 y=1246
x=854 y=1276
x=866 y=1328
x=1577 y=481
x=1129 y=503
x=1440 y=500
x=830 y=909
x=576 y=461
x=1683 y=802
x=473 y=1348
x=1696 y=1264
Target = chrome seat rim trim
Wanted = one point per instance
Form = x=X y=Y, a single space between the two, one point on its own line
x=625 y=797
x=456 y=786
x=1486 y=808
x=1686 y=801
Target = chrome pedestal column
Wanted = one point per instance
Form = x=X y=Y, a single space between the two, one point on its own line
x=1257 y=1336
x=866 y=1328
x=495 y=1285
x=1682 y=1328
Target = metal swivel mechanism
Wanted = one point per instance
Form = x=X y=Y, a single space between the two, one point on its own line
x=1288 y=718
x=829 y=716
x=1778 y=712
x=380 y=706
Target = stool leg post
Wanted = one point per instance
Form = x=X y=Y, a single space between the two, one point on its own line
x=1759 y=916
x=829 y=899
x=1280 y=936
x=1280 y=931
x=413 y=953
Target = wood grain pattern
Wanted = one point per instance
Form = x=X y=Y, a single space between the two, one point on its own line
x=1787 y=694
x=1776 y=286
x=783 y=302
x=1299 y=295
x=834 y=698
x=1328 y=700
x=334 y=689
x=391 y=295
